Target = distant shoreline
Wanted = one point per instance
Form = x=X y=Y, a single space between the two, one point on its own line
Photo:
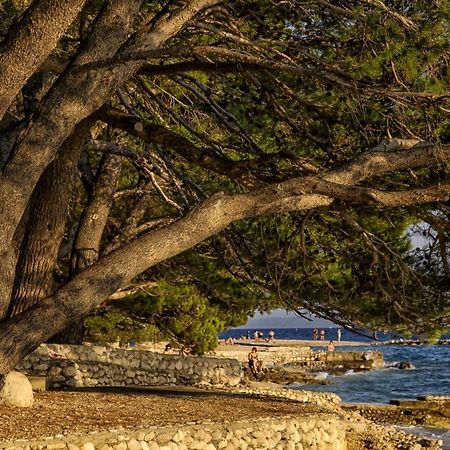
x=293 y=343
x=337 y=344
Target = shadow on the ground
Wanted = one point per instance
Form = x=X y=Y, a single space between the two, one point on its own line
x=167 y=391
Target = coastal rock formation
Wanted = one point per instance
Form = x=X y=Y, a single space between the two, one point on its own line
x=434 y=412
x=405 y=365
x=354 y=360
x=306 y=360
x=362 y=434
x=16 y=391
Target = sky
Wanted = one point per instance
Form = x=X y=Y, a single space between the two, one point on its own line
x=279 y=318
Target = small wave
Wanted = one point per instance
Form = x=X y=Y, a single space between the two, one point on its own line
x=404 y=365
x=350 y=372
x=390 y=364
x=321 y=376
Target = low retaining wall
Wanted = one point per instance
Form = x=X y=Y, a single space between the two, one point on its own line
x=318 y=432
x=87 y=366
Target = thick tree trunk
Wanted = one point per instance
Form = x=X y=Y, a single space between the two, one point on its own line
x=89 y=236
x=95 y=216
x=23 y=333
x=73 y=334
x=30 y=41
x=78 y=93
x=46 y=224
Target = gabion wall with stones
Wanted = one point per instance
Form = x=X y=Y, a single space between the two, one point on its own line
x=317 y=432
x=78 y=366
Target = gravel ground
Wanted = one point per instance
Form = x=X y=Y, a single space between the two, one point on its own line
x=83 y=411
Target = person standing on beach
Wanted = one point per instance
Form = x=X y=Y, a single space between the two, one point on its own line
x=315 y=334
x=322 y=335
x=339 y=334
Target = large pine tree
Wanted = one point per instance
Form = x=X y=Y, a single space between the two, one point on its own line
x=131 y=132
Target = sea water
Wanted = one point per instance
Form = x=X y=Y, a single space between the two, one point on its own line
x=431 y=375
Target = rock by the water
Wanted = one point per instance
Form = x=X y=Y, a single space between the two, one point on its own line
x=406 y=365
x=16 y=391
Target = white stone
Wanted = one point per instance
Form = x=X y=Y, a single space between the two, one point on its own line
x=105 y=447
x=120 y=446
x=55 y=446
x=16 y=391
x=54 y=371
x=133 y=444
x=178 y=436
x=150 y=436
x=70 y=371
x=88 y=446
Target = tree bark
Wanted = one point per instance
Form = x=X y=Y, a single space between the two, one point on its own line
x=46 y=224
x=86 y=249
x=30 y=41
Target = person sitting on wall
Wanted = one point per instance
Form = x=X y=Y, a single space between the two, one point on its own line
x=330 y=347
x=253 y=361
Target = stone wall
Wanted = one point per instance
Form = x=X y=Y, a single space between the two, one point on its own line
x=79 y=366
x=316 y=432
